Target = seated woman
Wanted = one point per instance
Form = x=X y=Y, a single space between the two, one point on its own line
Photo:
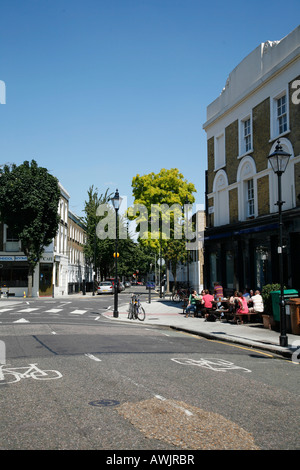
x=191 y=307
x=242 y=307
x=207 y=300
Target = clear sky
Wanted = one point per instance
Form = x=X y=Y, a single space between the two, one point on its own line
x=98 y=91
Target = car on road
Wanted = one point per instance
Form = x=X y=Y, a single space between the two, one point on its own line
x=105 y=287
x=121 y=286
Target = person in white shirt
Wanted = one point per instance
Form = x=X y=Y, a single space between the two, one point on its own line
x=258 y=304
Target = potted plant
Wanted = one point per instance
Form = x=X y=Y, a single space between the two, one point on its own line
x=267 y=316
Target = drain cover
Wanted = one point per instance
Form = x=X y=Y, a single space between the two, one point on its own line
x=104 y=403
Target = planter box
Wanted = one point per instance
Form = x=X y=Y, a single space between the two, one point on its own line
x=268 y=321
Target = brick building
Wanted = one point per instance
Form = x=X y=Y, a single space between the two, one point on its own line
x=78 y=270
x=259 y=105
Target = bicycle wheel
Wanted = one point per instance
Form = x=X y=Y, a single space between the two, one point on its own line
x=135 y=312
x=141 y=313
x=46 y=375
x=130 y=312
x=9 y=378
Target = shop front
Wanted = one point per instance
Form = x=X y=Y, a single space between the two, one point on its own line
x=245 y=256
x=46 y=275
x=13 y=275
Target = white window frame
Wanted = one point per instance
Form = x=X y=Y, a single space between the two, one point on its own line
x=282 y=118
x=275 y=117
x=245 y=141
x=11 y=244
x=247 y=172
x=250 y=199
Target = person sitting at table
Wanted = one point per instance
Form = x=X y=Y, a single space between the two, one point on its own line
x=258 y=304
x=207 y=301
x=242 y=307
x=233 y=301
x=246 y=295
x=192 y=304
x=218 y=292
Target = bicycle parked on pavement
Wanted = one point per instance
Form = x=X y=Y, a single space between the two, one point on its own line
x=179 y=294
x=136 y=311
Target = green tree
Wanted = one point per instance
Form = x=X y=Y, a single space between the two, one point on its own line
x=132 y=256
x=158 y=210
x=29 y=198
x=95 y=249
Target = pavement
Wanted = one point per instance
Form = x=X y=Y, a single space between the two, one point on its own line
x=166 y=313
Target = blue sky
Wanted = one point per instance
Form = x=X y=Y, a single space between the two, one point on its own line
x=98 y=91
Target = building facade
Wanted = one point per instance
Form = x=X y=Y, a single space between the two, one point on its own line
x=192 y=273
x=61 y=266
x=78 y=269
x=259 y=105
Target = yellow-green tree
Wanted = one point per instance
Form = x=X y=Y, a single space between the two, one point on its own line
x=158 y=209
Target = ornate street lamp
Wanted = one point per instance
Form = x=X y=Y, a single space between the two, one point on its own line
x=116 y=204
x=279 y=160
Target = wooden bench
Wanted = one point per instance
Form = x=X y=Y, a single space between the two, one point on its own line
x=185 y=304
x=246 y=315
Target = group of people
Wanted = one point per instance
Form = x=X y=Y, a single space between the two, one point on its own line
x=239 y=301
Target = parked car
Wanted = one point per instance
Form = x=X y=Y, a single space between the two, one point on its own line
x=121 y=286
x=111 y=282
x=105 y=287
x=127 y=284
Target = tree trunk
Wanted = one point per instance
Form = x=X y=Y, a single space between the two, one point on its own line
x=30 y=277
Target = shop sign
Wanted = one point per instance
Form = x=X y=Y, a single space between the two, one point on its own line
x=46 y=258
x=13 y=258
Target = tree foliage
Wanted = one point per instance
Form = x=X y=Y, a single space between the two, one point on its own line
x=29 y=198
x=101 y=250
x=167 y=190
x=96 y=250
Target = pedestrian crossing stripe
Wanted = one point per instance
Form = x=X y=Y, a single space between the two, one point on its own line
x=78 y=312
x=27 y=310
x=53 y=310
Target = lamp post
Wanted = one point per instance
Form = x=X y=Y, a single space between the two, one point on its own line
x=279 y=160
x=187 y=254
x=116 y=204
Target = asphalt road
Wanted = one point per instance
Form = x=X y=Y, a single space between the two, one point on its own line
x=135 y=387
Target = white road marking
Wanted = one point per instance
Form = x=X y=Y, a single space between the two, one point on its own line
x=27 y=310
x=91 y=356
x=53 y=310
x=78 y=312
x=187 y=412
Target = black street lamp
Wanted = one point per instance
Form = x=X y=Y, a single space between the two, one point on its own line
x=187 y=254
x=279 y=160
x=116 y=204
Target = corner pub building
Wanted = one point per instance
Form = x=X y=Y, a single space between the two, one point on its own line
x=259 y=105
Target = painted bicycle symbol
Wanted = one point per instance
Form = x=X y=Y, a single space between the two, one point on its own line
x=15 y=374
x=219 y=365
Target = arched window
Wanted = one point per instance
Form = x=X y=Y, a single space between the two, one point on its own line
x=247 y=188
x=221 y=203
